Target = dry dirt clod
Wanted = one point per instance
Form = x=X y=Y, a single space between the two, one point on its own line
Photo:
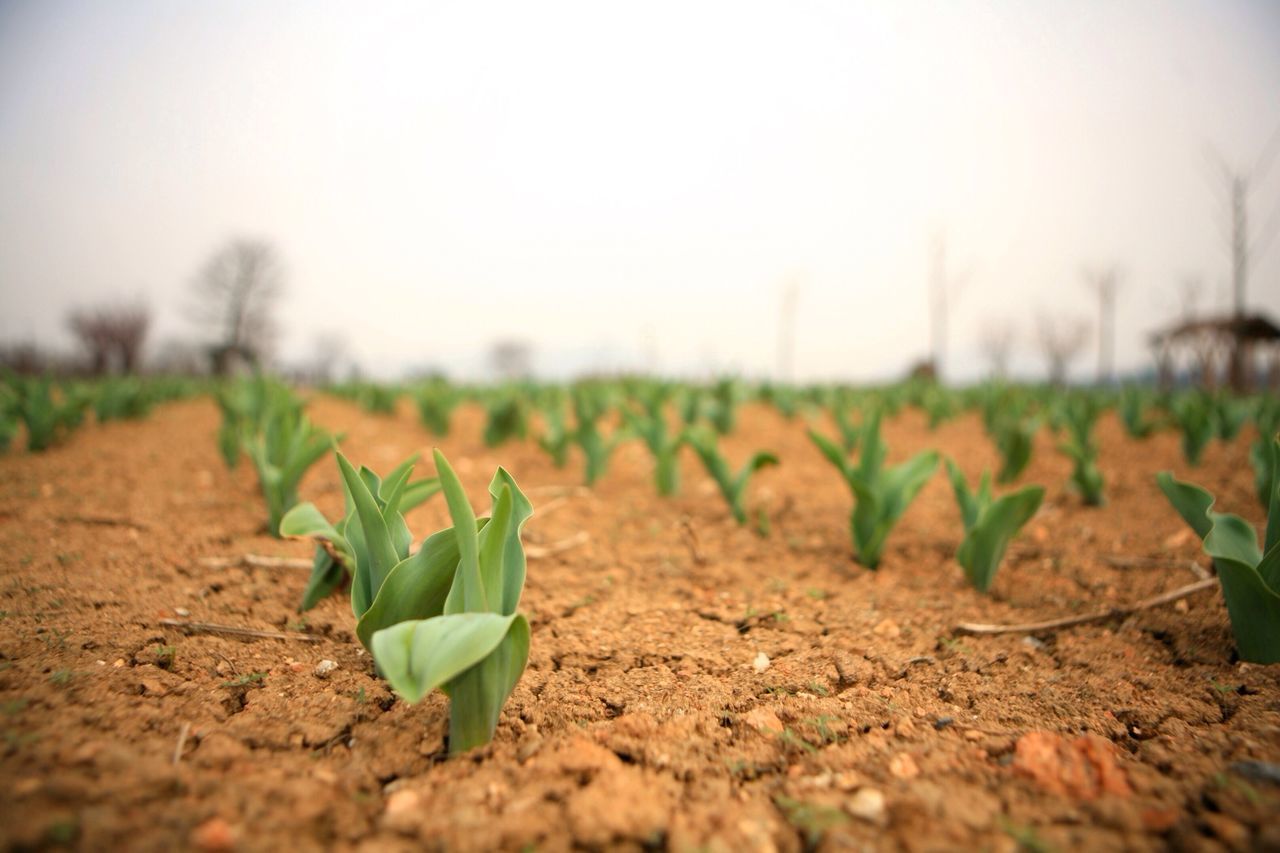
x=325 y=668
x=763 y=720
x=402 y=811
x=869 y=804
x=888 y=629
x=903 y=766
x=761 y=662
x=215 y=834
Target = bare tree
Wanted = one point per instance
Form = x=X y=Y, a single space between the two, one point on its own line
x=1104 y=283
x=996 y=343
x=1061 y=339
x=112 y=335
x=235 y=293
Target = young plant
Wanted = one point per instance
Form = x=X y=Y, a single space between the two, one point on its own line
x=1195 y=418
x=1249 y=575
x=556 y=439
x=1015 y=438
x=733 y=487
x=121 y=398
x=1133 y=414
x=281 y=454
x=880 y=495
x=47 y=414
x=989 y=524
x=341 y=547
x=506 y=419
x=589 y=409
x=652 y=429
x=1080 y=414
x=722 y=407
x=436 y=402
x=446 y=617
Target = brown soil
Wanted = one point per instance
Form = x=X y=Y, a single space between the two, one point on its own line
x=641 y=721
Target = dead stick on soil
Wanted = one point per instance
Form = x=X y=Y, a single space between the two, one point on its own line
x=214 y=628
x=182 y=741
x=1072 y=621
x=255 y=561
x=692 y=534
x=102 y=520
x=1122 y=562
x=579 y=538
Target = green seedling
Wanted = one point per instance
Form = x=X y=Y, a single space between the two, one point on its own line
x=48 y=414
x=1014 y=439
x=989 y=524
x=880 y=495
x=556 y=439
x=342 y=545
x=1194 y=416
x=651 y=428
x=722 y=405
x=281 y=454
x=1133 y=414
x=506 y=419
x=446 y=617
x=1080 y=414
x=1249 y=575
x=733 y=487
x=117 y=399
x=1229 y=415
x=849 y=431
x=436 y=403
x=589 y=409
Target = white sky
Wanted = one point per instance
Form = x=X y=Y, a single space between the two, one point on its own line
x=591 y=175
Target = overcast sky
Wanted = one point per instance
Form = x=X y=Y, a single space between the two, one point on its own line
x=609 y=180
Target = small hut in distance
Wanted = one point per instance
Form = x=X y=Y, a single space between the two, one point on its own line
x=1239 y=350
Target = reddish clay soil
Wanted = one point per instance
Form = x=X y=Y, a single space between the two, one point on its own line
x=641 y=721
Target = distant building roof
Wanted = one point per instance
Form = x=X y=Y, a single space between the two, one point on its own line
x=1250 y=328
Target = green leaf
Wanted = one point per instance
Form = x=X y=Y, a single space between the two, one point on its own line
x=472 y=597
x=1253 y=606
x=476 y=696
x=326 y=576
x=305 y=521
x=382 y=556
x=833 y=453
x=513 y=560
x=416 y=588
x=1232 y=538
x=1191 y=502
x=983 y=548
x=420 y=655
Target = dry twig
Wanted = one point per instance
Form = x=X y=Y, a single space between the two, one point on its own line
x=255 y=561
x=182 y=741
x=537 y=551
x=1120 y=561
x=1072 y=621
x=215 y=628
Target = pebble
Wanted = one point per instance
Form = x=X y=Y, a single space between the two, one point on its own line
x=903 y=766
x=761 y=663
x=213 y=835
x=868 y=804
x=325 y=668
x=182 y=611
x=763 y=720
x=403 y=811
x=888 y=629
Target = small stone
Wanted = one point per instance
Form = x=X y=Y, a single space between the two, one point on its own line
x=887 y=629
x=763 y=720
x=182 y=611
x=868 y=804
x=215 y=834
x=903 y=766
x=119 y=662
x=1033 y=643
x=973 y=734
x=761 y=663
x=403 y=812
x=325 y=668
x=1181 y=606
